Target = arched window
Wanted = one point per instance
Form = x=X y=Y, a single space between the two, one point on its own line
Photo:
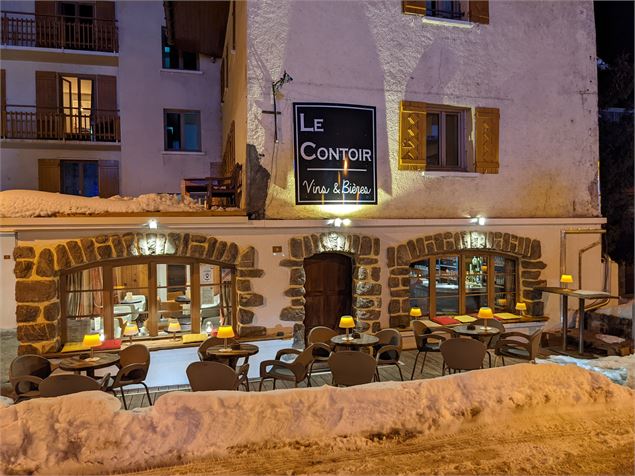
x=150 y=291
x=461 y=283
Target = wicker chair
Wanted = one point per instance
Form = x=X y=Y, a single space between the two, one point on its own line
x=518 y=345
x=490 y=342
x=350 y=368
x=388 y=349
x=206 y=376
x=206 y=344
x=26 y=373
x=134 y=363
x=295 y=371
x=320 y=335
x=462 y=354
x=65 y=384
x=428 y=340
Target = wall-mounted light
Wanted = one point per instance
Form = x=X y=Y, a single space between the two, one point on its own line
x=338 y=222
x=480 y=220
x=153 y=224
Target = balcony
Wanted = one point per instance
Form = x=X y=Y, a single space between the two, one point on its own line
x=58 y=32
x=31 y=123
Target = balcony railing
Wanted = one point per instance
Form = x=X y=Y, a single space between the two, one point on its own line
x=28 y=122
x=44 y=31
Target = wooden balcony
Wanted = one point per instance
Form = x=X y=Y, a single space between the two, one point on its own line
x=45 y=31
x=27 y=122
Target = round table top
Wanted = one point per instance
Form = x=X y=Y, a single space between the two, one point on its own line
x=245 y=350
x=477 y=331
x=76 y=364
x=362 y=341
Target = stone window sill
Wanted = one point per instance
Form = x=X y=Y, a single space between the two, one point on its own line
x=183 y=152
x=182 y=71
x=441 y=173
x=437 y=21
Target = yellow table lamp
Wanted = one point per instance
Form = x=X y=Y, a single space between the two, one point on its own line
x=92 y=341
x=131 y=330
x=347 y=322
x=173 y=327
x=485 y=313
x=415 y=312
x=225 y=332
x=521 y=307
x=566 y=279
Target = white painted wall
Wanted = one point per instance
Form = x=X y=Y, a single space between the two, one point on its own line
x=145 y=91
x=535 y=61
x=7 y=281
x=265 y=234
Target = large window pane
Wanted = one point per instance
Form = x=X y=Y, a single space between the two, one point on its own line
x=172 y=131
x=475 y=282
x=432 y=139
x=174 y=296
x=192 y=132
x=84 y=303
x=447 y=285
x=420 y=286
x=452 y=140
x=504 y=284
x=130 y=297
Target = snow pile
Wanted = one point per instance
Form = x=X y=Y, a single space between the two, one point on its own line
x=623 y=311
x=32 y=203
x=89 y=432
x=620 y=370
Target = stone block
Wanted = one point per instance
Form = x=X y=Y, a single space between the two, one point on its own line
x=105 y=251
x=129 y=243
x=355 y=244
x=231 y=253
x=421 y=247
x=23 y=269
x=45 y=264
x=376 y=246
x=185 y=244
x=375 y=327
x=394 y=306
x=37 y=332
x=400 y=271
x=51 y=311
x=291 y=263
x=438 y=241
x=295 y=248
x=400 y=321
x=198 y=238
x=393 y=282
x=300 y=301
x=221 y=246
x=26 y=313
x=412 y=249
x=364 y=261
x=403 y=256
x=173 y=244
x=315 y=241
x=62 y=257
x=251 y=331
x=498 y=240
x=211 y=247
x=399 y=292
x=247 y=258
x=535 y=252
x=295 y=291
x=28 y=349
x=533 y=283
x=375 y=273
x=391 y=257
x=535 y=308
x=405 y=281
x=23 y=252
x=530 y=274
x=430 y=247
x=161 y=240
x=360 y=273
x=366 y=246
x=250 y=273
x=368 y=289
x=364 y=303
x=298 y=276
x=292 y=314
x=243 y=285
x=458 y=243
x=533 y=264
x=245 y=316
x=368 y=314
x=197 y=251
x=35 y=291
x=250 y=300
x=101 y=239
x=307 y=246
x=531 y=295
x=506 y=241
x=75 y=251
x=151 y=243
x=513 y=243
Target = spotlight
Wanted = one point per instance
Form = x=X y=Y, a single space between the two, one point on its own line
x=481 y=221
x=153 y=224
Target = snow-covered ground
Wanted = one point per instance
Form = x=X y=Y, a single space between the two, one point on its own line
x=32 y=203
x=620 y=370
x=624 y=311
x=89 y=433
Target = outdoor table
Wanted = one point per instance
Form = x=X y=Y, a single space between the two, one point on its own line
x=231 y=356
x=478 y=331
x=76 y=364
x=364 y=340
x=581 y=294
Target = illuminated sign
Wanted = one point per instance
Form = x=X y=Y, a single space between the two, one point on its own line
x=335 y=154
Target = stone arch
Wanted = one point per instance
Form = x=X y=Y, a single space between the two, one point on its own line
x=364 y=250
x=399 y=258
x=37 y=273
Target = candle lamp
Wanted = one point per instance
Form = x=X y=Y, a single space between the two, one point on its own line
x=131 y=330
x=347 y=322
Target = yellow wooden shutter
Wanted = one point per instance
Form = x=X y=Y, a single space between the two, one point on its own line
x=412 y=136
x=479 y=11
x=487 y=124
x=418 y=8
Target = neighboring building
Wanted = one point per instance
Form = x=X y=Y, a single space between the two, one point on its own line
x=434 y=113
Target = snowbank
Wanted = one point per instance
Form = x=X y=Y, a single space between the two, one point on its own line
x=623 y=311
x=89 y=433
x=620 y=370
x=32 y=203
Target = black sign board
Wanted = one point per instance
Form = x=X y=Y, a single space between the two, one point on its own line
x=335 y=154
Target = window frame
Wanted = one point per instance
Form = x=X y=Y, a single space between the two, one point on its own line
x=181 y=113
x=443 y=111
x=462 y=255
x=107 y=289
x=179 y=53
x=457 y=12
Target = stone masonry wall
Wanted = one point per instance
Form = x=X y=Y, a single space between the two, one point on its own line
x=37 y=275
x=400 y=257
x=364 y=250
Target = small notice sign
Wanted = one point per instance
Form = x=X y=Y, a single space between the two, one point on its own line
x=335 y=154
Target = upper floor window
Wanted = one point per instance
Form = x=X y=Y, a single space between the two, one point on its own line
x=444 y=9
x=182 y=130
x=445 y=139
x=476 y=11
x=174 y=58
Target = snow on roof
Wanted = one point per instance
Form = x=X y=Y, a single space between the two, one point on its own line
x=89 y=431
x=33 y=203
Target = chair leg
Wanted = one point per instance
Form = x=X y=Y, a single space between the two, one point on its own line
x=274 y=383
x=503 y=359
x=495 y=361
x=262 y=379
x=423 y=364
x=489 y=358
x=414 y=367
x=443 y=369
x=123 y=397
x=147 y=393
x=400 y=374
x=377 y=378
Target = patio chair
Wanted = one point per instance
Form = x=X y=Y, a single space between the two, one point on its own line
x=26 y=373
x=388 y=349
x=490 y=342
x=518 y=345
x=134 y=363
x=207 y=376
x=243 y=379
x=462 y=354
x=295 y=371
x=66 y=384
x=206 y=344
x=427 y=340
x=349 y=367
x=320 y=335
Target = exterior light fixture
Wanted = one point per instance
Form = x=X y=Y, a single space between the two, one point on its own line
x=481 y=221
x=337 y=222
x=346 y=222
x=153 y=224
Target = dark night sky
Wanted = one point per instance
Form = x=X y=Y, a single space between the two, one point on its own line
x=614 y=26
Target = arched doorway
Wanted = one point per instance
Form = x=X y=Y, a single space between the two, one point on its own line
x=328 y=287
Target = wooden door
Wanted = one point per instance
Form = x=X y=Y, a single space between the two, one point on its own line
x=328 y=289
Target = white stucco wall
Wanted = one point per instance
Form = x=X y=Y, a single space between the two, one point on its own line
x=7 y=281
x=535 y=61
x=145 y=91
